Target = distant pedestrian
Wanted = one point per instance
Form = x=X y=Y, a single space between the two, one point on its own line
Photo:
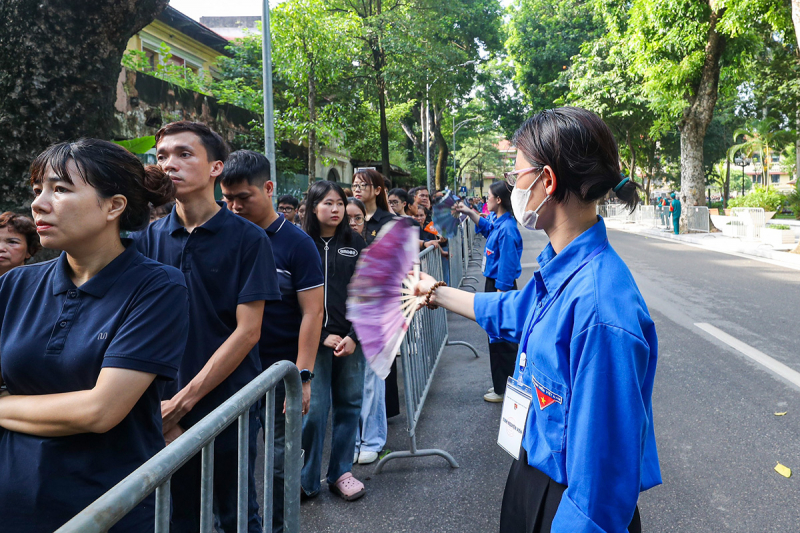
x=501 y=268
x=18 y=240
x=356 y=215
x=301 y=213
x=287 y=205
x=675 y=209
x=588 y=346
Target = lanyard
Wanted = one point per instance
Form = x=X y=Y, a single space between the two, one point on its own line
x=523 y=358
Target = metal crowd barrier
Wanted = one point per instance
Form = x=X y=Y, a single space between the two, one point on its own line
x=747 y=222
x=420 y=352
x=698 y=219
x=459 y=257
x=156 y=473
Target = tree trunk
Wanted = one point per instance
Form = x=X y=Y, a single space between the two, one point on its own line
x=313 y=145
x=59 y=65
x=444 y=150
x=696 y=118
x=632 y=164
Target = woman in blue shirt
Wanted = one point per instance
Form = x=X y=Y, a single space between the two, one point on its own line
x=86 y=341
x=501 y=268
x=588 y=346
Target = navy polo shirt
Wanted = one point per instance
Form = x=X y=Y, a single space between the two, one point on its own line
x=299 y=269
x=55 y=338
x=227 y=261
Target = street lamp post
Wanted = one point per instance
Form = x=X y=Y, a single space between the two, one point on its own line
x=269 y=118
x=742 y=162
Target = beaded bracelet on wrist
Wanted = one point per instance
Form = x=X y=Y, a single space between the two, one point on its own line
x=428 y=296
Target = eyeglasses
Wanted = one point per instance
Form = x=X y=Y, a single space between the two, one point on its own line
x=514 y=175
x=394 y=202
x=285 y=209
x=361 y=186
x=357 y=220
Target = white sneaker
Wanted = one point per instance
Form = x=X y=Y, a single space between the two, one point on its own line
x=491 y=389
x=365 y=458
x=355 y=458
x=491 y=397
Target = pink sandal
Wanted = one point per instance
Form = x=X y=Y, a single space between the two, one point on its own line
x=348 y=487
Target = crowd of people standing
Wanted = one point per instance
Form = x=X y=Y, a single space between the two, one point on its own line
x=114 y=349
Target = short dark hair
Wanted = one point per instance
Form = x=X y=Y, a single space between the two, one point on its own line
x=25 y=227
x=216 y=147
x=289 y=199
x=110 y=169
x=580 y=149
x=245 y=166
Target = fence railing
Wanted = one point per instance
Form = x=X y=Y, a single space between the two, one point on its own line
x=747 y=222
x=155 y=474
x=698 y=218
x=460 y=252
x=420 y=352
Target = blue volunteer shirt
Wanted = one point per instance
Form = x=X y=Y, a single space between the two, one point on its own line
x=590 y=359
x=55 y=338
x=227 y=261
x=299 y=269
x=503 y=250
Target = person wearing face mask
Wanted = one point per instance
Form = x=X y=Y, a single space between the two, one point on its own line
x=586 y=447
x=501 y=268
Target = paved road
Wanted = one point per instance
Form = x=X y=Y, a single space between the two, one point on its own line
x=717 y=434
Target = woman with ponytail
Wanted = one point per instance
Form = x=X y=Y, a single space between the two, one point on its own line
x=587 y=345
x=501 y=267
x=87 y=340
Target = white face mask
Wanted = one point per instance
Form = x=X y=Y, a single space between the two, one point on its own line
x=519 y=201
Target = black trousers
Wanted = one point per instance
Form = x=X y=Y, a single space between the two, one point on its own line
x=531 y=500
x=502 y=355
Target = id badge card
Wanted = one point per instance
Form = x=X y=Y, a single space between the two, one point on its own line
x=516 y=404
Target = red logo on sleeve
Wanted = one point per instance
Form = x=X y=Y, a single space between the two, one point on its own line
x=544 y=399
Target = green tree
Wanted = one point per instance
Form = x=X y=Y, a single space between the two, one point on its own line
x=760 y=137
x=479 y=156
x=680 y=50
x=543 y=36
x=313 y=46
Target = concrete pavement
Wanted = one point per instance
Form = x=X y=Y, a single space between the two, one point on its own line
x=718 y=436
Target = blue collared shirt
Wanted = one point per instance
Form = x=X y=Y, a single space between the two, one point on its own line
x=226 y=262
x=591 y=348
x=503 y=250
x=55 y=338
x=299 y=269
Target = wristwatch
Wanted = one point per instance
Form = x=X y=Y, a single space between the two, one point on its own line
x=306 y=375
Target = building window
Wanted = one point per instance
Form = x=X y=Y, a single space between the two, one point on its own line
x=775 y=178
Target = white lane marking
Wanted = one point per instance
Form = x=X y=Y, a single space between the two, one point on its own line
x=759 y=357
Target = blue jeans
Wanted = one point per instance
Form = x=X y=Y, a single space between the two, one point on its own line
x=338 y=382
x=371 y=435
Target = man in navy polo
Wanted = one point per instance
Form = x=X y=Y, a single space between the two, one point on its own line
x=230 y=273
x=293 y=325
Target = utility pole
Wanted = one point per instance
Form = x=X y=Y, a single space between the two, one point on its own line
x=269 y=115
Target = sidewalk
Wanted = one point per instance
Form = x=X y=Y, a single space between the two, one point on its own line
x=716 y=242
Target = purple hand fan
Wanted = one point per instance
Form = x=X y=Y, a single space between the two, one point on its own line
x=443 y=220
x=381 y=301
